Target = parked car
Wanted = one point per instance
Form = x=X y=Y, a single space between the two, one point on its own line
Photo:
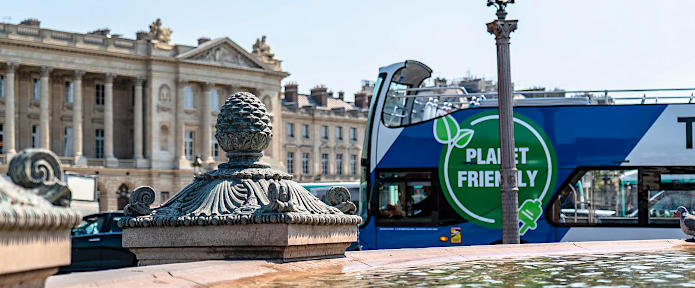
x=97 y=245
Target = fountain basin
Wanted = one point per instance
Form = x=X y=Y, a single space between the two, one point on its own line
x=219 y=273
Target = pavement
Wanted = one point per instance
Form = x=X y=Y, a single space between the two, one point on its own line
x=220 y=273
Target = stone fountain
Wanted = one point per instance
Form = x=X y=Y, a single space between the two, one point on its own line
x=34 y=234
x=243 y=210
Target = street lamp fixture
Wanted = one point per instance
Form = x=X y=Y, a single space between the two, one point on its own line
x=501 y=4
x=502 y=29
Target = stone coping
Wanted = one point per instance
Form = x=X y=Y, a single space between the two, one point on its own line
x=255 y=272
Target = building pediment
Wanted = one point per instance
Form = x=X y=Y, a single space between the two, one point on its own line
x=224 y=52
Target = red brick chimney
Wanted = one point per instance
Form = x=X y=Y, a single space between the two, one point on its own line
x=320 y=95
x=291 y=91
x=361 y=100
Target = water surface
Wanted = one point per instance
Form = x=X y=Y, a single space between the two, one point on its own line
x=669 y=268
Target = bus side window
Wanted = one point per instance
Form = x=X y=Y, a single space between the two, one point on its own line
x=598 y=197
x=408 y=196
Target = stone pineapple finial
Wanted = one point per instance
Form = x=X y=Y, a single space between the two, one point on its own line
x=244 y=130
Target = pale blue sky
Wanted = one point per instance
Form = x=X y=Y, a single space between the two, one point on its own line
x=566 y=44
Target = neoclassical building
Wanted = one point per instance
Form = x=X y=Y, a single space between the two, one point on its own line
x=323 y=134
x=130 y=112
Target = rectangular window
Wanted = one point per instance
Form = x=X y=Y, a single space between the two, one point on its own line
x=290 y=130
x=353 y=133
x=67 y=141
x=339 y=133
x=2 y=138
x=2 y=86
x=598 y=197
x=324 y=132
x=99 y=95
x=69 y=92
x=353 y=165
x=407 y=197
x=215 y=148
x=290 y=162
x=339 y=164
x=36 y=89
x=674 y=190
x=99 y=136
x=324 y=164
x=163 y=196
x=305 y=163
x=34 y=136
x=188 y=145
x=214 y=100
x=188 y=97
x=305 y=131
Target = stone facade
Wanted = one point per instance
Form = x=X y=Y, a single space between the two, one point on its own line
x=323 y=134
x=130 y=112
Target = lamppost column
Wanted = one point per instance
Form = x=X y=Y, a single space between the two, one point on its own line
x=502 y=28
x=9 y=110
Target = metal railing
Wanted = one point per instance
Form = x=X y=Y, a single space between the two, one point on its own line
x=607 y=94
x=413 y=105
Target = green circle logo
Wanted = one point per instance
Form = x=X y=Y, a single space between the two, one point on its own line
x=470 y=162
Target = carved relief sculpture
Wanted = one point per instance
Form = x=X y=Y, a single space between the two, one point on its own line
x=224 y=56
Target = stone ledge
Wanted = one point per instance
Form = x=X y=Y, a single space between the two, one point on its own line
x=228 y=273
x=161 y=245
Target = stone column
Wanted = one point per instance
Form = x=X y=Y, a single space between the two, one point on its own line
x=9 y=144
x=80 y=160
x=44 y=116
x=501 y=28
x=111 y=161
x=180 y=160
x=205 y=124
x=138 y=123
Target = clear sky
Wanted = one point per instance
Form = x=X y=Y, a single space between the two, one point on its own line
x=590 y=44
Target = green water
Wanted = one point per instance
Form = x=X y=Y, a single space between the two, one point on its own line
x=672 y=268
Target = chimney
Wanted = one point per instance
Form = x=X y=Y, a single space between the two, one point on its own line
x=142 y=35
x=202 y=40
x=320 y=95
x=341 y=95
x=31 y=22
x=291 y=92
x=361 y=100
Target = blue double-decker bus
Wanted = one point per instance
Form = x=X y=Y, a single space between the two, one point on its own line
x=592 y=165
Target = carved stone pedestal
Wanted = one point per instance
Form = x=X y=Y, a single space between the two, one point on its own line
x=159 y=245
x=242 y=210
x=34 y=234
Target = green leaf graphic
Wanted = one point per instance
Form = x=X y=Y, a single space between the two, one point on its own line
x=446 y=129
x=465 y=137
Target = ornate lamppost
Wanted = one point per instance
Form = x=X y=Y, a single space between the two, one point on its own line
x=501 y=28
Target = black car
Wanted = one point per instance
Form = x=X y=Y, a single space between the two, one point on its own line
x=96 y=244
